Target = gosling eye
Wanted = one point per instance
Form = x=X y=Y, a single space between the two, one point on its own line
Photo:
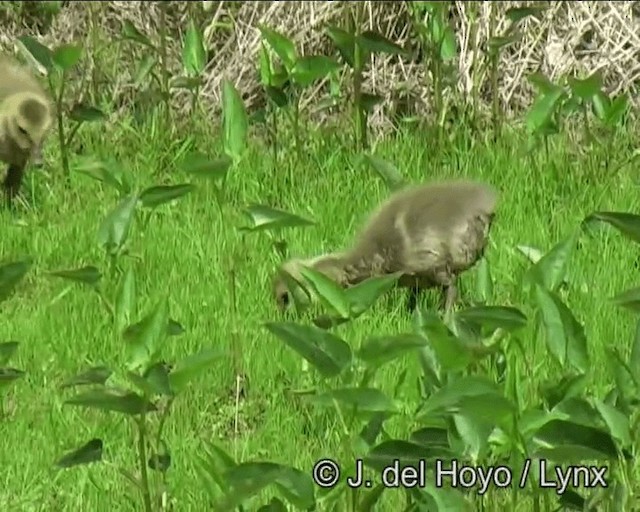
x=23 y=131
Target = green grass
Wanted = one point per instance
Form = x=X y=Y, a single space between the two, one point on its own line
x=188 y=249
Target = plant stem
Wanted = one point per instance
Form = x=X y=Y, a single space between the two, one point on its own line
x=142 y=462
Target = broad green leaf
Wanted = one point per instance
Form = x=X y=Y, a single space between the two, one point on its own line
x=40 y=53
x=277 y=96
x=543 y=109
x=250 y=478
x=516 y=14
x=112 y=401
x=389 y=173
x=125 y=303
x=375 y=42
x=381 y=349
x=494 y=317
x=325 y=351
x=450 y=352
x=200 y=165
x=95 y=375
x=601 y=105
x=86 y=114
x=364 y=400
x=10 y=275
x=497 y=43
x=543 y=84
x=368 y=500
x=617 y=110
x=550 y=270
x=9 y=375
x=629 y=299
x=189 y=83
x=7 y=349
x=484 y=282
x=86 y=454
x=114 y=229
x=191 y=367
x=398 y=453
x=634 y=358
x=573 y=443
x=67 y=56
x=344 y=42
x=565 y=336
x=616 y=421
x=266 y=66
x=89 y=275
x=133 y=331
x=143 y=348
x=99 y=170
x=194 y=55
x=312 y=68
x=569 y=386
x=627 y=223
x=363 y=295
x=331 y=294
x=234 y=121
x=281 y=45
x=585 y=89
x=267 y=218
x=452 y=394
x=153 y=197
x=144 y=69
x=369 y=101
x=626 y=381
x=130 y=32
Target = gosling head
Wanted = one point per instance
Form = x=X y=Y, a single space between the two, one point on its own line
x=28 y=120
x=288 y=284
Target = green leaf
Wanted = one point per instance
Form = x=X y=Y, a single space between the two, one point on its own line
x=311 y=68
x=67 y=56
x=88 y=275
x=364 y=400
x=634 y=357
x=627 y=223
x=112 y=401
x=565 y=336
x=389 y=173
x=516 y=14
x=189 y=83
x=567 y=442
x=617 y=110
x=201 y=166
x=542 y=83
x=381 y=349
x=144 y=347
x=114 y=229
x=7 y=349
x=398 y=453
x=369 y=101
x=125 y=303
x=95 y=375
x=277 y=96
x=86 y=114
x=375 y=42
x=101 y=171
x=629 y=299
x=190 y=367
x=624 y=377
x=550 y=270
x=86 y=454
x=494 y=317
x=234 y=121
x=326 y=352
x=484 y=282
x=616 y=421
x=587 y=88
x=448 y=46
x=451 y=353
x=281 y=45
x=344 y=42
x=363 y=295
x=40 y=53
x=194 y=54
x=265 y=218
x=266 y=66
x=331 y=294
x=144 y=69
x=130 y=32
x=543 y=109
x=153 y=197
x=497 y=43
x=9 y=375
x=10 y=275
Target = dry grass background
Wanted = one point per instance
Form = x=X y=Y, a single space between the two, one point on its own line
x=571 y=38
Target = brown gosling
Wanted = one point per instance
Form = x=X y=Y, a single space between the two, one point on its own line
x=26 y=116
x=429 y=233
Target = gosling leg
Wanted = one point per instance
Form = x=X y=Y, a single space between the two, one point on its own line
x=450 y=293
x=13 y=181
x=413 y=296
